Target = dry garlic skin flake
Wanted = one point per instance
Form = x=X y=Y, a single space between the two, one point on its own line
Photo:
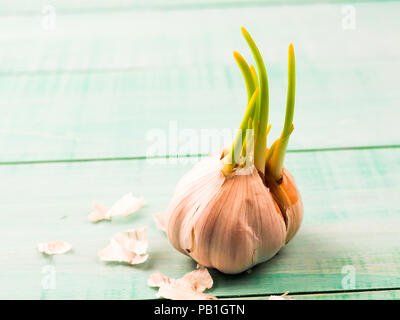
x=236 y=209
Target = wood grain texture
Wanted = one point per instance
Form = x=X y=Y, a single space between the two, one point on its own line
x=27 y=7
x=351 y=218
x=90 y=89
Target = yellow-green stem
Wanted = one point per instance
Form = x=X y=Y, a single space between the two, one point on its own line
x=278 y=155
x=230 y=160
x=257 y=106
x=246 y=138
x=261 y=126
x=247 y=74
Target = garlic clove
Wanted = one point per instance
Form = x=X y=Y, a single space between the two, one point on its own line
x=189 y=200
x=241 y=226
x=289 y=201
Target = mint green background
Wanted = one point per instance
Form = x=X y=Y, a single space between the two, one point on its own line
x=92 y=88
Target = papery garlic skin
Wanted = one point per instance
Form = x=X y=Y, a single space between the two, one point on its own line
x=228 y=223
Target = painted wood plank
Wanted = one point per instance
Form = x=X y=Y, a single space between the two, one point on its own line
x=90 y=89
x=352 y=218
x=26 y=7
x=318 y=32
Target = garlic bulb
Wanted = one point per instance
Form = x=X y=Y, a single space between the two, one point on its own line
x=232 y=223
x=229 y=215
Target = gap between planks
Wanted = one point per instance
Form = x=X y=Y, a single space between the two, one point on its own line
x=394 y=146
x=294 y=294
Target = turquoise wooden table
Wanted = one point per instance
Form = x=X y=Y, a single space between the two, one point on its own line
x=84 y=85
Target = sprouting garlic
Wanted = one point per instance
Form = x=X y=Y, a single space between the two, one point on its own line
x=229 y=215
x=232 y=223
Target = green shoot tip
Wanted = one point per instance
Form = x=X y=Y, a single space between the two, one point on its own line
x=291 y=49
x=236 y=55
